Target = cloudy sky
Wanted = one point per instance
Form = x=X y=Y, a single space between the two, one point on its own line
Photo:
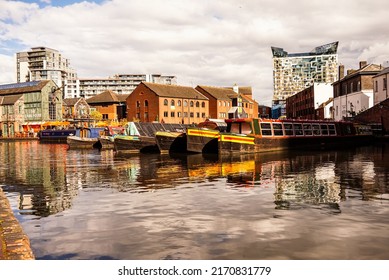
x=202 y=42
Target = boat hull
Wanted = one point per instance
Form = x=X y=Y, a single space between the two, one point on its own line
x=106 y=142
x=171 y=142
x=135 y=144
x=240 y=144
x=55 y=135
x=76 y=142
x=202 y=140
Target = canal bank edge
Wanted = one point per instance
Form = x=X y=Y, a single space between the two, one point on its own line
x=14 y=243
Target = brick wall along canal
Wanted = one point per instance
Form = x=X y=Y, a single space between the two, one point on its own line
x=97 y=205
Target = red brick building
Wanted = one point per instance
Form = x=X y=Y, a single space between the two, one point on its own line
x=166 y=103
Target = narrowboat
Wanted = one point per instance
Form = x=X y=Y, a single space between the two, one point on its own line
x=107 y=138
x=264 y=135
x=140 y=137
x=55 y=132
x=85 y=138
x=204 y=137
x=171 y=141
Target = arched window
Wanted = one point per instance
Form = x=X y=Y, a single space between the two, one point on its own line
x=179 y=103
x=165 y=102
x=172 y=103
x=137 y=104
x=185 y=103
x=203 y=104
x=146 y=103
x=197 y=104
x=191 y=104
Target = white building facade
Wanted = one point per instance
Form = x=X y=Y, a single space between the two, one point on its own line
x=120 y=83
x=353 y=93
x=380 y=82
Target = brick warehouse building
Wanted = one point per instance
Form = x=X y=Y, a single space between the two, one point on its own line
x=378 y=114
x=166 y=103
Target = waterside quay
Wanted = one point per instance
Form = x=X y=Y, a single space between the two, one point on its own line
x=14 y=243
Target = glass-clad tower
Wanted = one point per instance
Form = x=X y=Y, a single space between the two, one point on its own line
x=294 y=72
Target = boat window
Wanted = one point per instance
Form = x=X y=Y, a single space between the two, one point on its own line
x=316 y=129
x=235 y=128
x=266 y=129
x=277 y=129
x=307 y=129
x=288 y=128
x=324 y=129
x=298 y=129
x=246 y=128
x=331 y=129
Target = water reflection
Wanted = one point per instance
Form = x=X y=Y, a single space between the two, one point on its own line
x=164 y=206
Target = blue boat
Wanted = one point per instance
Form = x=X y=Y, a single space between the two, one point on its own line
x=55 y=132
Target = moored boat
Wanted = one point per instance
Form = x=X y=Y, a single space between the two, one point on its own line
x=107 y=138
x=85 y=138
x=140 y=137
x=264 y=135
x=204 y=137
x=171 y=141
x=55 y=132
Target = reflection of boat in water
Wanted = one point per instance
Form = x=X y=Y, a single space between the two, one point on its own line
x=85 y=138
x=140 y=137
x=204 y=137
x=55 y=131
x=263 y=135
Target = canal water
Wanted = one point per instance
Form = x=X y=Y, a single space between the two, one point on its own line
x=90 y=204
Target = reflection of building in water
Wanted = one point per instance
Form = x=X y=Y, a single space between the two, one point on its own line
x=41 y=183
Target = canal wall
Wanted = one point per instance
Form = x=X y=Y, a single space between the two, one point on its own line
x=14 y=243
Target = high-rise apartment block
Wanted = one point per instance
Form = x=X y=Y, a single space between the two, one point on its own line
x=121 y=83
x=42 y=63
x=293 y=73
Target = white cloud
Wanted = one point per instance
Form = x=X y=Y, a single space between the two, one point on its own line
x=201 y=42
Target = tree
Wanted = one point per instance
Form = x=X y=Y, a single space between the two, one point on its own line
x=96 y=115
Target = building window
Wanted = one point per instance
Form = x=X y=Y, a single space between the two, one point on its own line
x=146 y=103
x=384 y=85
x=376 y=85
x=197 y=115
x=179 y=103
x=165 y=102
x=172 y=103
x=179 y=114
x=203 y=115
x=165 y=114
x=197 y=104
x=203 y=104
x=185 y=103
x=105 y=116
x=137 y=104
x=191 y=104
x=172 y=114
x=191 y=114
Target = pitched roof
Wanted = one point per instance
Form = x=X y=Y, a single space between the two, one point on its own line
x=383 y=72
x=123 y=97
x=22 y=87
x=219 y=93
x=71 y=101
x=9 y=100
x=174 y=91
x=369 y=69
x=107 y=96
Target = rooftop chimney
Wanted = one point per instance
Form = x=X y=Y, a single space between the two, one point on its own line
x=362 y=64
x=341 y=71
